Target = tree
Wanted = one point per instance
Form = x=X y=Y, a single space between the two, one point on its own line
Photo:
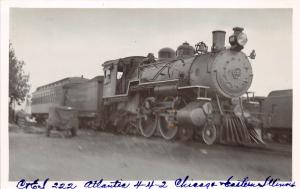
x=18 y=80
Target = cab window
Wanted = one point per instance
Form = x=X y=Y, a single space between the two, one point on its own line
x=107 y=76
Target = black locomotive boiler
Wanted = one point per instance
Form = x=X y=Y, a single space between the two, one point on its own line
x=183 y=92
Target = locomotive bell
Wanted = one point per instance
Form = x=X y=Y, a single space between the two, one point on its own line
x=218 y=40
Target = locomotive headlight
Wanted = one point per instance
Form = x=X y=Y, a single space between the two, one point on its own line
x=242 y=39
x=238 y=39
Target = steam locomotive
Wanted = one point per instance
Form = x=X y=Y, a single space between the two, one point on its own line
x=183 y=92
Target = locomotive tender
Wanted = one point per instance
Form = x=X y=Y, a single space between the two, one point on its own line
x=190 y=90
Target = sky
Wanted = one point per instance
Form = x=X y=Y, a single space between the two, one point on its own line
x=59 y=43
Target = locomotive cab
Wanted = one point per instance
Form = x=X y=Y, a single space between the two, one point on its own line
x=118 y=74
x=110 y=78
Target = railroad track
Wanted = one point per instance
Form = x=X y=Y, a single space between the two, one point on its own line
x=276 y=148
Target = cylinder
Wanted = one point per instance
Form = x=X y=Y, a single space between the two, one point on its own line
x=218 y=40
x=191 y=114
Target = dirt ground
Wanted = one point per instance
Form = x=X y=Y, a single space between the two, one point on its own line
x=95 y=155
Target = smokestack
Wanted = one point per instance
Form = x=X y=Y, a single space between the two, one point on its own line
x=218 y=40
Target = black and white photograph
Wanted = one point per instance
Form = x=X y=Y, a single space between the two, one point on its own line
x=150 y=93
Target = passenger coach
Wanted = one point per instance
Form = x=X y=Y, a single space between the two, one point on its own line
x=49 y=95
